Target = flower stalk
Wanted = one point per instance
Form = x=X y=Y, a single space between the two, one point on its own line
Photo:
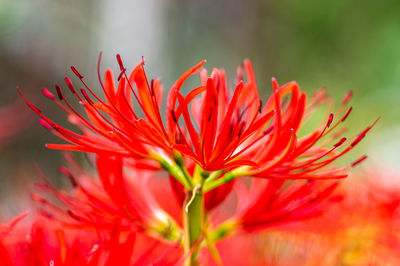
x=193 y=222
x=176 y=171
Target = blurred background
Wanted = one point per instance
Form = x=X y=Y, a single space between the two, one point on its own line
x=341 y=45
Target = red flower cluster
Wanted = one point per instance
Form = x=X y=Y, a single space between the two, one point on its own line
x=207 y=140
x=363 y=229
x=48 y=243
x=234 y=130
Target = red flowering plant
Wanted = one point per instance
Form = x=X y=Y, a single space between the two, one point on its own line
x=46 y=242
x=98 y=204
x=208 y=141
x=362 y=229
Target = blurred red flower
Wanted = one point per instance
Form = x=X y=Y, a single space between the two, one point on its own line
x=42 y=242
x=97 y=201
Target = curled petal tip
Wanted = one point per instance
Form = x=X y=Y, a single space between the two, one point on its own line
x=201 y=63
x=275 y=84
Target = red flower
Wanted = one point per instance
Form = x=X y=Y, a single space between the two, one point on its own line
x=44 y=243
x=234 y=130
x=272 y=203
x=363 y=229
x=113 y=127
x=94 y=205
x=210 y=137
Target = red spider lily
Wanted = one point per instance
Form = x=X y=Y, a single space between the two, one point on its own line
x=234 y=130
x=237 y=131
x=360 y=229
x=112 y=126
x=363 y=229
x=96 y=206
x=47 y=243
x=210 y=137
x=274 y=203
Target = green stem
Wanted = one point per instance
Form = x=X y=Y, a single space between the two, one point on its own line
x=179 y=161
x=193 y=221
x=215 y=175
x=174 y=170
x=220 y=181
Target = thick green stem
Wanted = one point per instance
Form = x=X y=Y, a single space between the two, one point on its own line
x=194 y=216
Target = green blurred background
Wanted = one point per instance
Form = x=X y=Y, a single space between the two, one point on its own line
x=342 y=45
